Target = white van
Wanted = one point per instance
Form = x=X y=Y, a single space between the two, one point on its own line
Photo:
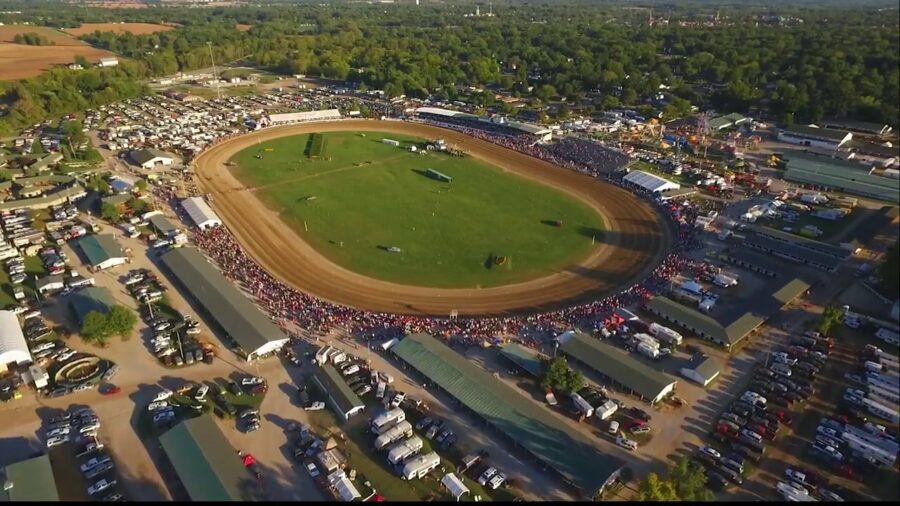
x=347 y=371
x=626 y=443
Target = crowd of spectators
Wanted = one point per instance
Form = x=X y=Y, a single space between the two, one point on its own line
x=287 y=305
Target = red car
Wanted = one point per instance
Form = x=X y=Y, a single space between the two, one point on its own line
x=110 y=390
x=783 y=417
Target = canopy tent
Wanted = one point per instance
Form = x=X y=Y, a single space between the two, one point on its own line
x=456 y=487
x=650 y=182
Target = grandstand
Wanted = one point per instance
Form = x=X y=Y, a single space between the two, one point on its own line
x=498 y=125
x=304 y=117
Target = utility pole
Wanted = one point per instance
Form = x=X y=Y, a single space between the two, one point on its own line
x=215 y=75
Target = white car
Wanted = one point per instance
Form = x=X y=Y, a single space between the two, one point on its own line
x=94 y=462
x=796 y=476
x=91 y=427
x=165 y=394
x=201 y=392
x=253 y=380
x=398 y=398
x=350 y=370
x=57 y=440
x=43 y=347
x=784 y=358
x=100 y=486
x=828 y=431
x=157 y=405
x=312 y=469
x=316 y=406
x=66 y=355
x=60 y=431
x=192 y=330
x=486 y=476
x=162 y=326
x=496 y=481
x=711 y=452
x=788 y=488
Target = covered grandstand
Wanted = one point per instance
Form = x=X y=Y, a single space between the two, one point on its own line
x=650 y=182
x=206 y=464
x=847 y=176
x=304 y=117
x=618 y=366
x=497 y=123
x=253 y=334
x=525 y=424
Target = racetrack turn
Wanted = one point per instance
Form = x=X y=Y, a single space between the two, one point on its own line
x=634 y=241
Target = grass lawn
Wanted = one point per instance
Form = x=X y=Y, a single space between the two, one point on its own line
x=362 y=196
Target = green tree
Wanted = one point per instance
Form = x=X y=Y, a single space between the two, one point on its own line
x=141 y=185
x=73 y=130
x=689 y=482
x=139 y=206
x=831 y=317
x=655 y=489
x=110 y=213
x=95 y=328
x=37 y=148
x=560 y=377
x=121 y=320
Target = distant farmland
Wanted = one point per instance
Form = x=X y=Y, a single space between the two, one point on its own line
x=20 y=61
x=134 y=28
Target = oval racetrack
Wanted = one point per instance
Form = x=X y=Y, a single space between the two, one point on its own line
x=634 y=242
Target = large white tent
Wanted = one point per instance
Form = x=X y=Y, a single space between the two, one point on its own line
x=200 y=212
x=13 y=347
x=650 y=182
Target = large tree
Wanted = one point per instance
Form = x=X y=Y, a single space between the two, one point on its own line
x=560 y=377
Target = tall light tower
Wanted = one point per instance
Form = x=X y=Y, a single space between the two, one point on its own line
x=215 y=75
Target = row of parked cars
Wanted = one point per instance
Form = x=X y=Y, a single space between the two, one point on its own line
x=81 y=426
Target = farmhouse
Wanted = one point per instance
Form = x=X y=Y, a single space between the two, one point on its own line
x=242 y=323
x=13 y=348
x=340 y=396
x=101 y=251
x=524 y=424
x=149 y=158
x=30 y=480
x=618 y=366
x=200 y=212
x=205 y=462
x=825 y=138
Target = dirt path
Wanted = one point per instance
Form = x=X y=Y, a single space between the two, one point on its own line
x=634 y=241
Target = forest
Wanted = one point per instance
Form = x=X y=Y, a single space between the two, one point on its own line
x=798 y=63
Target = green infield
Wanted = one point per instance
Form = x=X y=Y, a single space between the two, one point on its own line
x=378 y=210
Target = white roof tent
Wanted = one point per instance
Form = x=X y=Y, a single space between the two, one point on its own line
x=13 y=348
x=200 y=212
x=437 y=111
x=456 y=487
x=650 y=182
x=302 y=117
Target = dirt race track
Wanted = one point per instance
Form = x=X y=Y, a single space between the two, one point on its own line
x=635 y=240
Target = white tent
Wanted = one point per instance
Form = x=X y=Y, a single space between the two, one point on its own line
x=200 y=212
x=13 y=347
x=650 y=182
x=456 y=487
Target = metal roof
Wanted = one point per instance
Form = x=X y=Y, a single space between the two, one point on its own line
x=234 y=312
x=13 y=347
x=31 y=480
x=143 y=156
x=650 y=182
x=526 y=358
x=337 y=389
x=568 y=452
x=816 y=133
x=90 y=298
x=199 y=211
x=206 y=463
x=98 y=248
x=617 y=364
x=792 y=251
x=162 y=224
x=851 y=177
x=706 y=367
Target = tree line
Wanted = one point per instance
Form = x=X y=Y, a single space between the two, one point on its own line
x=838 y=61
x=32 y=39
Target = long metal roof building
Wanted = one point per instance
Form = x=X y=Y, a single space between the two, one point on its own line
x=206 y=463
x=851 y=177
x=525 y=423
x=13 y=348
x=252 y=332
x=201 y=214
x=30 y=480
x=617 y=365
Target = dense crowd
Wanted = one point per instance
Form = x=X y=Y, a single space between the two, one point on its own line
x=288 y=305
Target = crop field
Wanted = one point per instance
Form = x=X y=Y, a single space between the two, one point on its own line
x=133 y=28
x=370 y=208
x=20 y=61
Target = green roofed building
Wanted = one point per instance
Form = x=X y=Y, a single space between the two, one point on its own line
x=618 y=366
x=30 y=480
x=90 y=298
x=530 y=361
x=837 y=174
x=207 y=465
x=101 y=251
x=760 y=309
x=340 y=396
x=728 y=121
x=235 y=314
x=526 y=425
x=162 y=225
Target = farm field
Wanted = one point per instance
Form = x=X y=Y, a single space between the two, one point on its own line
x=360 y=197
x=20 y=61
x=133 y=28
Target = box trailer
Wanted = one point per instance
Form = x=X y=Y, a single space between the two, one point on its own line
x=606 y=410
x=419 y=466
x=583 y=406
x=404 y=449
x=386 y=420
x=868 y=449
x=646 y=339
x=889 y=445
x=648 y=351
x=878 y=409
x=666 y=334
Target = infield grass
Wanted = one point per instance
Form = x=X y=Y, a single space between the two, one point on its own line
x=361 y=197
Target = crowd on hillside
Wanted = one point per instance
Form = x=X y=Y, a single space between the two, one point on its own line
x=288 y=305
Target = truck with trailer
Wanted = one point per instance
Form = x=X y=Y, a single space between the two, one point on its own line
x=393 y=434
x=386 y=420
x=666 y=334
x=868 y=449
x=887 y=444
x=583 y=406
x=883 y=396
x=404 y=449
x=648 y=351
x=646 y=339
x=880 y=410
